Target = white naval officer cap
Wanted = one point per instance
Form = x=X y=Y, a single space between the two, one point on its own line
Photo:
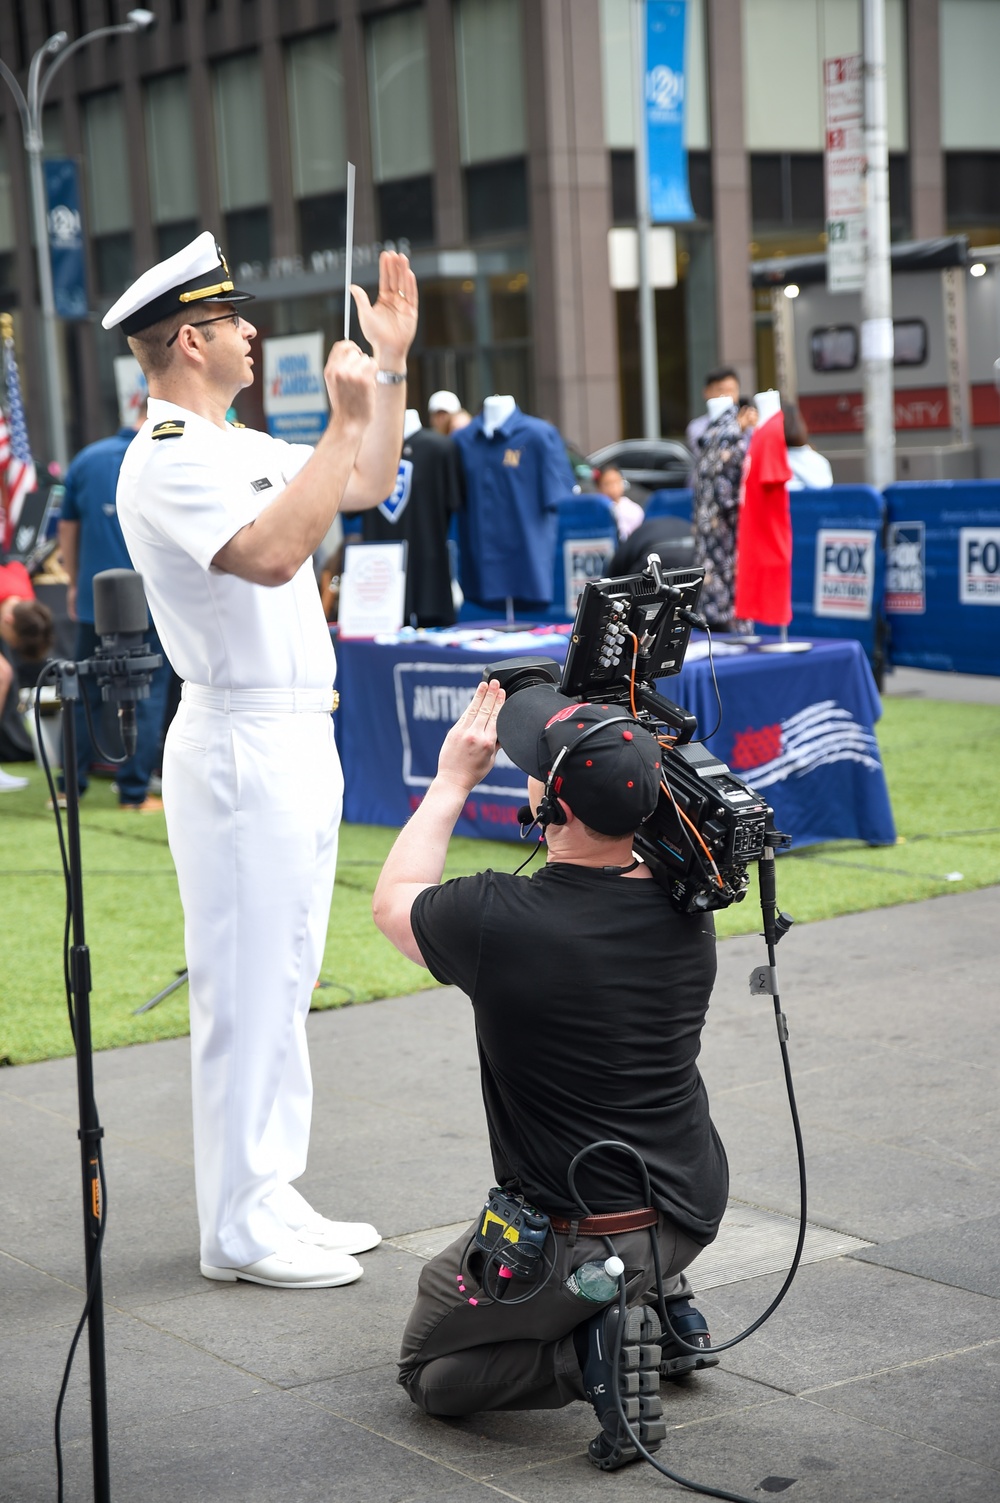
x=197 y=274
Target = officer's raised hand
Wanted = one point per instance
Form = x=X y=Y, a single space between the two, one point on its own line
x=350 y=382
x=390 y=324
x=470 y=747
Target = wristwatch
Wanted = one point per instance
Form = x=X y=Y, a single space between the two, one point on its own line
x=390 y=378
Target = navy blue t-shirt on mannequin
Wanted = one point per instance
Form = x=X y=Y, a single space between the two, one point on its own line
x=507 y=532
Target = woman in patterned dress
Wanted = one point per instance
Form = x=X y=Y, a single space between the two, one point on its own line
x=717 y=476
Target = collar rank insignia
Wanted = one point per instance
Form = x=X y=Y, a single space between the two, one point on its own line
x=172 y=428
x=263 y=484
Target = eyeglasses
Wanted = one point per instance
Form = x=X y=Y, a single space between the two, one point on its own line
x=234 y=318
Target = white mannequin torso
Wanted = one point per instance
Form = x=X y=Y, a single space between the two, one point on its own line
x=716 y=406
x=496 y=411
x=767 y=404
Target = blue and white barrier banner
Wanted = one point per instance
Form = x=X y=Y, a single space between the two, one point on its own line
x=669 y=194
x=65 y=230
x=845 y=573
x=906 y=569
x=295 y=400
x=979 y=566
x=943 y=580
x=429 y=699
x=584 y=559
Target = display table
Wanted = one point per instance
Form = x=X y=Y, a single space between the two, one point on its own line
x=798 y=727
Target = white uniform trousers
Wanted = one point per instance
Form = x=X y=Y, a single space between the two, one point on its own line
x=253 y=798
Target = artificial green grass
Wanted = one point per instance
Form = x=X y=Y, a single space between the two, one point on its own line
x=941 y=762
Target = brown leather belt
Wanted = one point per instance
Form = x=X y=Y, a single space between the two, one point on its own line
x=607 y=1224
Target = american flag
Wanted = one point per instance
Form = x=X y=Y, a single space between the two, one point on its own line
x=17 y=467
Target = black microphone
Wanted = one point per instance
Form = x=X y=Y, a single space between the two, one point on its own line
x=525 y=815
x=123 y=663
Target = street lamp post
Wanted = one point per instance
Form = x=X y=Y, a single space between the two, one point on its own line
x=59 y=48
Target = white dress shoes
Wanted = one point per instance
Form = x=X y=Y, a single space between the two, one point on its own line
x=337 y=1236
x=298 y=1264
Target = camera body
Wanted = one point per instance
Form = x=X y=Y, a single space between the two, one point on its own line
x=708 y=826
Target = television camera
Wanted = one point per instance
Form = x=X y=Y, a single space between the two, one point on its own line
x=708 y=827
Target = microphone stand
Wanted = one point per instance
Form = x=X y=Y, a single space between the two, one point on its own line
x=122 y=666
x=91 y=1131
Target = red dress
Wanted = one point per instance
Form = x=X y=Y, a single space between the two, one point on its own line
x=764 y=540
x=15 y=580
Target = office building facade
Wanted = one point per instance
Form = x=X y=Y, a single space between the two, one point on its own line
x=494 y=141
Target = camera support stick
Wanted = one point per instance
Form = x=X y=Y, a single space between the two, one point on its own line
x=91 y=1131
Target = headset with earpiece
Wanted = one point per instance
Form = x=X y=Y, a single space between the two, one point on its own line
x=550 y=811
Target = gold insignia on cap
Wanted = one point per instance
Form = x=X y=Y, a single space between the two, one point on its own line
x=202 y=292
x=172 y=428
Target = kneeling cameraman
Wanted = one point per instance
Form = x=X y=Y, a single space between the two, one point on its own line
x=590 y=993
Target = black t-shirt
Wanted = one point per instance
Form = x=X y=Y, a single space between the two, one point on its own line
x=430 y=492
x=590 y=992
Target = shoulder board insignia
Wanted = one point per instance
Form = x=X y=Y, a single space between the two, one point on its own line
x=172 y=428
x=234 y=424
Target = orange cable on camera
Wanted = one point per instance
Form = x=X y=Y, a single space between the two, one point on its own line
x=695 y=832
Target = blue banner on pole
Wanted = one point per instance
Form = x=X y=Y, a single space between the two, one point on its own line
x=62 y=200
x=669 y=194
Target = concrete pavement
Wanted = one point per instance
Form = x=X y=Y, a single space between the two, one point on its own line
x=877 y=1379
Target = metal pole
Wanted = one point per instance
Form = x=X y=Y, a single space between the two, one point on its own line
x=31 y=129
x=91 y=1131
x=647 y=297
x=52 y=371
x=30 y=110
x=876 y=301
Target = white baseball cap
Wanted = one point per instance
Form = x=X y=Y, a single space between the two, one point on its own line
x=443 y=401
x=197 y=274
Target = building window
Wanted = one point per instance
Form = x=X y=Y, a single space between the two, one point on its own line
x=114 y=264
x=322 y=222
x=170 y=238
x=972 y=189
x=241 y=151
x=496 y=198
x=315 y=88
x=406 y=210
x=786 y=190
x=399 y=97
x=173 y=189
x=489 y=63
x=787 y=193
x=108 y=196
x=107 y=164
x=248 y=239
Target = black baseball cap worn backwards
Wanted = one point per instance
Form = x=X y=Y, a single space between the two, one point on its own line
x=197 y=274
x=611 y=781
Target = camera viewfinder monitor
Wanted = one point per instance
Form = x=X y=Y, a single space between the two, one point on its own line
x=610 y=612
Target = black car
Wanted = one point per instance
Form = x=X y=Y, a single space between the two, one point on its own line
x=648 y=464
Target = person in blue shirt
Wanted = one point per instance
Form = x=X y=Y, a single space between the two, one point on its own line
x=90 y=539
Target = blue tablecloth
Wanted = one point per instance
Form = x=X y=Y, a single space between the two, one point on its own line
x=798 y=727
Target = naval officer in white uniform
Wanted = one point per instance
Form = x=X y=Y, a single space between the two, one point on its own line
x=222 y=522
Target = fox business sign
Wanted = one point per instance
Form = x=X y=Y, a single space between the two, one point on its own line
x=845 y=573
x=979 y=565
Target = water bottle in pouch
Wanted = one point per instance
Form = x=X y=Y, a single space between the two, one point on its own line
x=597 y=1281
